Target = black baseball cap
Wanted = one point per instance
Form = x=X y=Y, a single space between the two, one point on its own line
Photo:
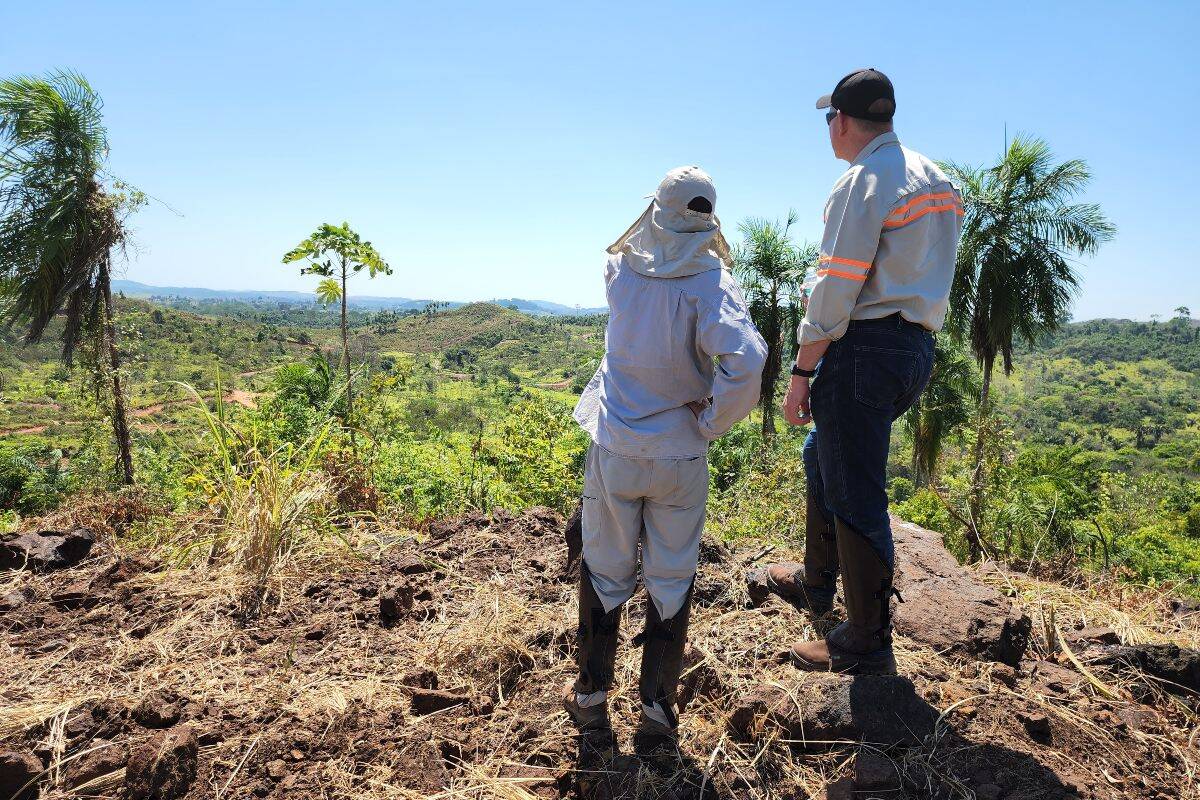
x=865 y=94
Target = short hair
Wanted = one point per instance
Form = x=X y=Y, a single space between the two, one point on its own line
x=871 y=126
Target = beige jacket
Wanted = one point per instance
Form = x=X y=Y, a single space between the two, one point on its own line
x=892 y=225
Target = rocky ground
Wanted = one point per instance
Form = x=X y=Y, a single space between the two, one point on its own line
x=434 y=669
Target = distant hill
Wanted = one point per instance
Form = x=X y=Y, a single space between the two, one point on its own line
x=136 y=289
x=1175 y=341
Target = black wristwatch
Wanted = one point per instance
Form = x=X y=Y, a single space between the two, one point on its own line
x=803 y=373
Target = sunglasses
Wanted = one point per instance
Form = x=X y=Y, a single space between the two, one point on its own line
x=830 y=114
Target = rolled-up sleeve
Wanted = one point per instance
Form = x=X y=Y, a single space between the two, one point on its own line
x=854 y=218
x=727 y=334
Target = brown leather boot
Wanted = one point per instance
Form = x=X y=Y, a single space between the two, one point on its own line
x=809 y=585
x=863 y=643
x=596 y=654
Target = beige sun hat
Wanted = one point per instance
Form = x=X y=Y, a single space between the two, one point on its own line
x=671 y=240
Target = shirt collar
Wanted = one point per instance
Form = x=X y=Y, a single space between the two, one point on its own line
x=879 y=141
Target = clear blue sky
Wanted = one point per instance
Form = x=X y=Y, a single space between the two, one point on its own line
x=493 y=150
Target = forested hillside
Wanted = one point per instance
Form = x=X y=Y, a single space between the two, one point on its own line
x=1128 y=390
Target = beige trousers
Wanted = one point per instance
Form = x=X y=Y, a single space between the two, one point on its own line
x=655 y=503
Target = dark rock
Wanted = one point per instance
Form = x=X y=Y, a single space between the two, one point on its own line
x=1187 y=611
x=988 y=791
x=15 y=601
x=841 y=789
x=75 y=596
x=1093 y=635
x=157 y=710
x=1139 y=718
x=407 y=564
x=79 y=725
x=1051 y=677
x=423 y=679
x=395 y=600
x=18 y=771
x=1037 y=725
x=946 y=608
x=874 y=773
x=43 y=551
x=427 y=701
x=1005 y=675
x=539 y=521
x=164 y=767
x=1177 y=667
x=714 y=551
x=880 y=709
x=103 y=759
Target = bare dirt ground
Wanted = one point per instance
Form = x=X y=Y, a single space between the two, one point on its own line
x=242 y=397
x=435 y=669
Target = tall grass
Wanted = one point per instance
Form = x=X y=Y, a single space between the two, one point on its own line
x=267 y=501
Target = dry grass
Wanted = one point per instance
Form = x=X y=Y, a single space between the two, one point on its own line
x=500 y=631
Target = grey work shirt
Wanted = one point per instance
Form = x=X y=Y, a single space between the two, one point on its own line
x=892 y=225
x=663 y=335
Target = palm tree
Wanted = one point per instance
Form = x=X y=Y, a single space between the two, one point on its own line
x=771 y=268
x=334 y=252
x=1014 y=278
x=61 y=223
x=944 y=407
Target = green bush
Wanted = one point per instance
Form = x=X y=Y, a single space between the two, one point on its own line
x=33 y=478
x=924 y=508
x=1161 y=552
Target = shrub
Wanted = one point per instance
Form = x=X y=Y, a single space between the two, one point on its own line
x=33 y=478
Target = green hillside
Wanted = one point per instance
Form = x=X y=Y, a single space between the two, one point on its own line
x=1129 y=391
x=1095 y=455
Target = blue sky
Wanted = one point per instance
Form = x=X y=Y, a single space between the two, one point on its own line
x=493 y=150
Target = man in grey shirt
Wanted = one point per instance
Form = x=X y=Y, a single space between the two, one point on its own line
x=887 y=260
x=651 y=409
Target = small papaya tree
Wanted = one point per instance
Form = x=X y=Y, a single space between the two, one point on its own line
x=335 y=252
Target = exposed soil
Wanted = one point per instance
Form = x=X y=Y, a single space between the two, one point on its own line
x=242 y=397
x=436 y=669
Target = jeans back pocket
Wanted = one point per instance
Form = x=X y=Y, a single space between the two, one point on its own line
x=882 y=375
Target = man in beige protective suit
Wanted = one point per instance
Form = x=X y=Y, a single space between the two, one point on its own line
x=651 y=409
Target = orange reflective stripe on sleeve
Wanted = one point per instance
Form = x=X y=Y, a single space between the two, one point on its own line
x=899 y=212
x=895 y=223
x=854 y=276
x=850 y=262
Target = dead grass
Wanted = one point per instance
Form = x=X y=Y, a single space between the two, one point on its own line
x=500 y=632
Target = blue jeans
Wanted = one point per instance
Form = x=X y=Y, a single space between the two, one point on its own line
x=866 y=380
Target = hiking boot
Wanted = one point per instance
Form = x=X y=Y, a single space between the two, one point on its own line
x=654 y=739
x=586 y=718
x=863 y=643
x=809 y=585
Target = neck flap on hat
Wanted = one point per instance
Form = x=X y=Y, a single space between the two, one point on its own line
x=664 y=243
